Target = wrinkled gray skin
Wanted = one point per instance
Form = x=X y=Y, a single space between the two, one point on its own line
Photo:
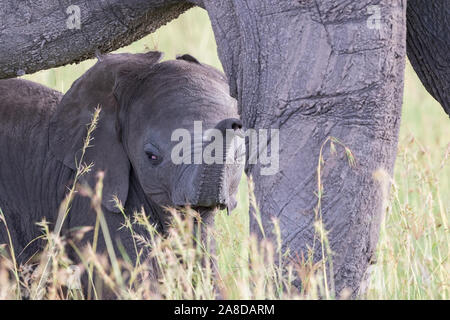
x=142 y=103
x=312 y=69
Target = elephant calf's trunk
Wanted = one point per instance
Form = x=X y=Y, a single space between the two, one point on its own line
x=214 y=189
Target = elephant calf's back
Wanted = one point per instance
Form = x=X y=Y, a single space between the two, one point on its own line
x=32 y=184
x=25 y=105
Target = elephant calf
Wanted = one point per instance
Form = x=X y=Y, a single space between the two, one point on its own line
x=142 y=102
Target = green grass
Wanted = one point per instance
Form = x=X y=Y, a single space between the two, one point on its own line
x=413 y=251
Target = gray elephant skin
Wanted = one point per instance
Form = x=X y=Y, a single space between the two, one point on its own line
x=142 y=102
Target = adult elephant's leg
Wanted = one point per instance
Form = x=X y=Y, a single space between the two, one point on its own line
x=428 y=46
x=48 y=34
x=316 y=69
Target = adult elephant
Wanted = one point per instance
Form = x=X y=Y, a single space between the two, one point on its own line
x=313 y=69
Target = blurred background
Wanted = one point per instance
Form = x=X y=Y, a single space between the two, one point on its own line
x=413 y=252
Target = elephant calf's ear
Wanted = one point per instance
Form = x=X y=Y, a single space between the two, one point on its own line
x=68 y=131
x=69 y=124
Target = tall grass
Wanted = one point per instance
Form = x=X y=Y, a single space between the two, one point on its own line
x=413 y=251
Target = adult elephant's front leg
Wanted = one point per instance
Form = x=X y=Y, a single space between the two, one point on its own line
x=313 y=70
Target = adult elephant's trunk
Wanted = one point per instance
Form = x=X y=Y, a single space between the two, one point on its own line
x=314 y=70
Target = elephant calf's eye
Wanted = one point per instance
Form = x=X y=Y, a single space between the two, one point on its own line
x=153 y=154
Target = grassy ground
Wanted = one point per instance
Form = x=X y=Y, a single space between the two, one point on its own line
x=413 y=252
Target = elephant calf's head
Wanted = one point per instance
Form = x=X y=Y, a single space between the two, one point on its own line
x=154 y=120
